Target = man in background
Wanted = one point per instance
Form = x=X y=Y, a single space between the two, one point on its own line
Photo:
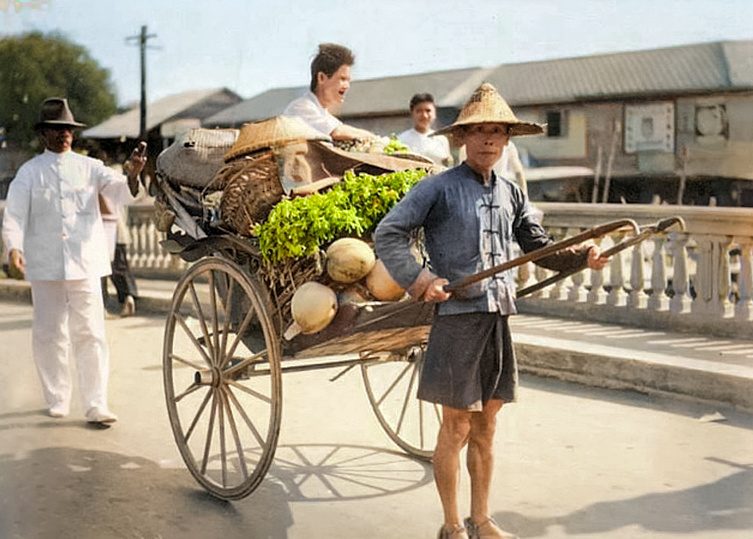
x=418 y=139
x=52 y=228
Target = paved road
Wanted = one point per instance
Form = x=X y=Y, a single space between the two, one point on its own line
x=573 y=462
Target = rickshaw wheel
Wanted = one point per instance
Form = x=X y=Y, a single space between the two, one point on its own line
x=222 y=377
x=391 y=384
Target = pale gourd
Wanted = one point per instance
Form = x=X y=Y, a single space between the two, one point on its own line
x=349 y=260
x=381 y=285
x=313 y=306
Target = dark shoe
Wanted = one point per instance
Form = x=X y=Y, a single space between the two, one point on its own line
x=452 y=532
x=486 y=530
x=129 y=307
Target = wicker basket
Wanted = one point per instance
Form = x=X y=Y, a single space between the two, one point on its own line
x=251 y=188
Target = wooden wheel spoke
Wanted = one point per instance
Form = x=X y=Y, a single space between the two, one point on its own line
x=210 y=433
x=223 y=452
x=215 y=322
x=198 y=415
x=250 y=391
x=245 y=417
x=236 y=436
x=245 y=363
x=188 y=362
x=421 y=423
x=202 y=318
x=394 y=383
x=190 y=389
x=406 y=401
x=241 y=330
x=190 y=334
x=226 y=325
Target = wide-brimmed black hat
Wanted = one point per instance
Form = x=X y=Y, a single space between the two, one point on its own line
x=55 y=111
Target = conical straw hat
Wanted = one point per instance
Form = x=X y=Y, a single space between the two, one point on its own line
x=487 y=106
x=271 y=133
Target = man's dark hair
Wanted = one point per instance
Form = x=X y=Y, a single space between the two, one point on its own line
x=329 y=59
x=421 y=98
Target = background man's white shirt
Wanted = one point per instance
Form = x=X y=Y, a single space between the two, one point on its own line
x=308 y=109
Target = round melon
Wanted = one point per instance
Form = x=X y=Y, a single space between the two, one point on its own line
x=313 y=306
x=349 y=260
x=381 y=285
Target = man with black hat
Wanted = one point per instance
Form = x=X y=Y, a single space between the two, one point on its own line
x=53 y=232
x=470 y=217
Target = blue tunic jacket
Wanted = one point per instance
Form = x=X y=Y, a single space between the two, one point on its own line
x=468 y=227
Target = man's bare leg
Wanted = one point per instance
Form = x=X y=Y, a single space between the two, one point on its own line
x=480 y=459
x=453 y=435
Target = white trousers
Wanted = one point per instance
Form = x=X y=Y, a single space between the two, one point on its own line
x=69 y=318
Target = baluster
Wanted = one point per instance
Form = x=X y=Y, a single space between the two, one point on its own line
x=723 y=280
x=524 y=275
x=681 y=300
x=617 y=295
x=153 y=247
x=658 y=300
x=744 y=305
x=702 y=281
x=541 y=274
x=143 y=245
x=596 y=295
x=637 y=297
x=577 y=291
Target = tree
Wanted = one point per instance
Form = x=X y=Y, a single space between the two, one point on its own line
x=35 y=66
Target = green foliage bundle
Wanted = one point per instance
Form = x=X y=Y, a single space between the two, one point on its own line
x=395 y=146
x=34 y=67
x=299 y=227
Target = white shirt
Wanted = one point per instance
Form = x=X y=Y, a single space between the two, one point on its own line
x=308 y=109
x=52 y=215
x=435 y=148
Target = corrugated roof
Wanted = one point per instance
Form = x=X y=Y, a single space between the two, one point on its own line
x=192 y=104
x=702 y=67
x=264 y=105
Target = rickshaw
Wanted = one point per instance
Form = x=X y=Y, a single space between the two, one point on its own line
x=224 y=350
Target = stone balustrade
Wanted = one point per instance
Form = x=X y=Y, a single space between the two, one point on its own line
x=145 y=255
x=699 y=279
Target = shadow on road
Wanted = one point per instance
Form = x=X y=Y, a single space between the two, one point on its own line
x=725 y=504
x=330 y=472
x=65 y=492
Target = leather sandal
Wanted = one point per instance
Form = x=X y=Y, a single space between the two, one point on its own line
x=453 y=531
x=488 y=529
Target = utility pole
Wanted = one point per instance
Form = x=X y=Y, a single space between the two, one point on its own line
x=142 y=39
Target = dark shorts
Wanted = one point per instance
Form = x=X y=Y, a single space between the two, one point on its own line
x=469 y=360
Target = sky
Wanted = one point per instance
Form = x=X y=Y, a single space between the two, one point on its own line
x=254 y=45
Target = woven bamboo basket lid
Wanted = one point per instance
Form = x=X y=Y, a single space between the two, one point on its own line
x=270 y=133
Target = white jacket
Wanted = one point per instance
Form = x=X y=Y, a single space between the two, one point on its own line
x=52 y=215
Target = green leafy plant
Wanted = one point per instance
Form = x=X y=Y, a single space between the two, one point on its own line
x=299 y=227
x=395 y=146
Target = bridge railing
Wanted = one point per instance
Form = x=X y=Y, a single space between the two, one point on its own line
x=699 y=279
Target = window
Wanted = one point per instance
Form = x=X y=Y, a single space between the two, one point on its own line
x=555 y=123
